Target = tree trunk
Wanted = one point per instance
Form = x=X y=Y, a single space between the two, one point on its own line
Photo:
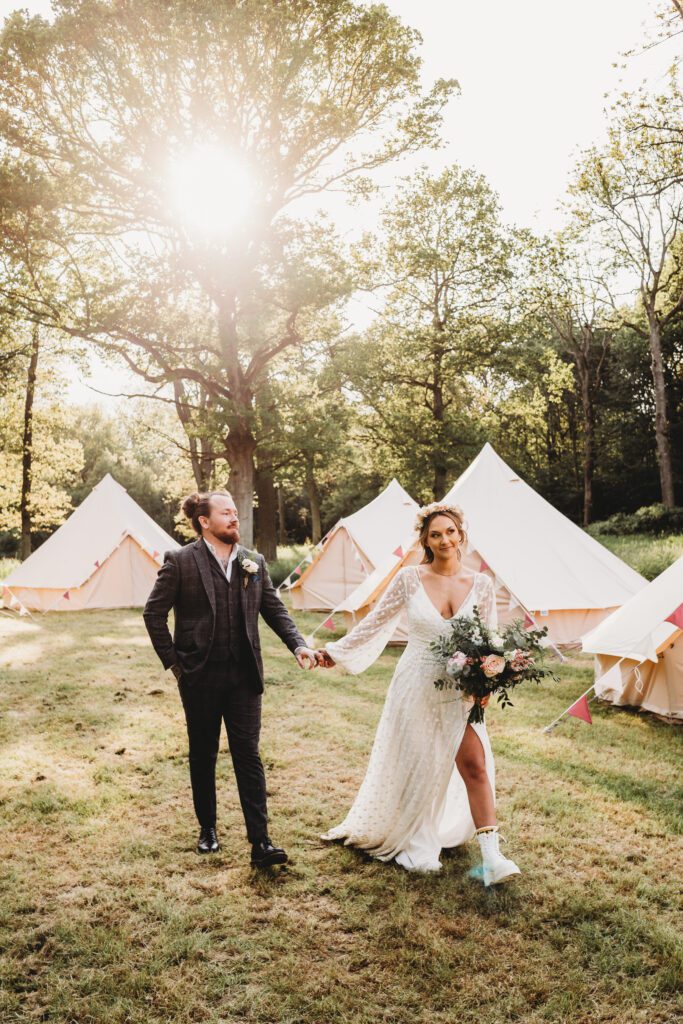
x=662 y=427
x=282 y=525
x=314 y=501
x=240 y=446
x=201 y=456
x=27 y=448
x=266 y=516
x=582 y=364
x=438 y=412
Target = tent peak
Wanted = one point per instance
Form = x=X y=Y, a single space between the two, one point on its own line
x=108 y=481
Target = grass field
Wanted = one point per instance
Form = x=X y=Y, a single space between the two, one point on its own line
x=109 y=916
x=647 y=555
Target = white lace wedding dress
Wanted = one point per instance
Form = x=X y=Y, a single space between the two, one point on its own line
x=413 y=801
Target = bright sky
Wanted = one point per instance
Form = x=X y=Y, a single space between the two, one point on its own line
x=533 y=74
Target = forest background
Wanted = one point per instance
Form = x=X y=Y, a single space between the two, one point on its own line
x=171 y=188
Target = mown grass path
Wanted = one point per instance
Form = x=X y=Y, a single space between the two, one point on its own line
x=108 y=915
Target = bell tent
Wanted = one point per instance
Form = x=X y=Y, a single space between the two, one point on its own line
x=106 y=555
x=639 y=648
x=543 y=565
x=354 y=547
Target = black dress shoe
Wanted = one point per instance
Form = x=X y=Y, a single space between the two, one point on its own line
x=263 y=854
x=208 y=841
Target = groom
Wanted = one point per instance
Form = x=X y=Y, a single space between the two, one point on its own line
x=217 y=590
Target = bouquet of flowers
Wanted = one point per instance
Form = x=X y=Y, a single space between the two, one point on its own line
x=480 y=661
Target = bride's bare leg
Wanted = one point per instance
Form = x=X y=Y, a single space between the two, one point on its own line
x=471 y=764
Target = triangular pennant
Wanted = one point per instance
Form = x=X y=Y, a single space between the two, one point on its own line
x=329 y=623
x=399 y=552
x=484 y=566
x=155 y=554
x=97 y=565
x=297 y=571
x=23 y=611
x=528 y=621
x=65 y=595
x=581 y=710
x=308 y=558
x=676 y=617
x=13 y=601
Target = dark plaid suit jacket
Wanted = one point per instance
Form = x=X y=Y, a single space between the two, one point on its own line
x=185 y=583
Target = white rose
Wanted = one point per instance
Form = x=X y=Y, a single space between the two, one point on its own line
x=249 y=566
x=497 y=641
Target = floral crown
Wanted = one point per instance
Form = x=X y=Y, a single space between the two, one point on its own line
x=429 y=510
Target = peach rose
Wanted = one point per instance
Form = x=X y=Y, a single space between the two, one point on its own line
x=492 y=665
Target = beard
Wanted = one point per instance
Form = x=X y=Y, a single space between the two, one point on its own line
x=229 y=536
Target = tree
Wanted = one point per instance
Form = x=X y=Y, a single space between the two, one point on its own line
x=632 y=195
x=442 y=266
x=567 y=299
x=56 y=459
x=307 y=96
x=27 y=264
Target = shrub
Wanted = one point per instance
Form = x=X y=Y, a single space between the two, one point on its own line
x=652 y=519
x=287 y=559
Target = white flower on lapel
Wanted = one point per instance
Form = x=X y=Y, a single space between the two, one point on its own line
x=248 y=566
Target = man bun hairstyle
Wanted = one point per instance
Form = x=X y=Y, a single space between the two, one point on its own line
x=425 y=516
x=199 y=504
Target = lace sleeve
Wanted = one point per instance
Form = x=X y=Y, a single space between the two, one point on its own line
x=486 y=602
x=366 y=641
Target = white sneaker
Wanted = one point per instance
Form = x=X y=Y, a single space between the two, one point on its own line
x=495 y=867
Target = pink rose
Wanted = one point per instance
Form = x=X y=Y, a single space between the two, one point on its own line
x=456 y=663
x=492 y=665
x=520 y=660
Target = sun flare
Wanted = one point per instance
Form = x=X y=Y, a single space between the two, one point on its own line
x=210 y=189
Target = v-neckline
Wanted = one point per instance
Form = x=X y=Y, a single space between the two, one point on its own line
x=461 y=605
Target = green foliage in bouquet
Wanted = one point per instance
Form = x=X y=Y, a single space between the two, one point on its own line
x=480 y=661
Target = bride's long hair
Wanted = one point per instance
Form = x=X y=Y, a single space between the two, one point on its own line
x=456 y=516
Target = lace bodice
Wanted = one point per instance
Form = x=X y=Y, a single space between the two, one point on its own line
x=406 y=592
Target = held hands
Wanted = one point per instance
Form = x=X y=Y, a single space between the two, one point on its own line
x=309 y=658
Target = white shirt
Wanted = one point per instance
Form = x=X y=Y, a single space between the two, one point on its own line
x=226 y=569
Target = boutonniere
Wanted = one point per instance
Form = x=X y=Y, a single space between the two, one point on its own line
x=249 y=567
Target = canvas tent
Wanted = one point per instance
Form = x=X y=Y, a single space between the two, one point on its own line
x=106 y=555
x=639 y=648
x=541 y=562
x=353 y=549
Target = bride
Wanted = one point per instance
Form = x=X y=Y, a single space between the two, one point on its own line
x=430 y=779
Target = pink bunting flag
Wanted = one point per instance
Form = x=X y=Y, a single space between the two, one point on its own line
x=399 y=552
x=676 y=618
x=97 y=565
x=528 y=621
x=329 y=623
x=155 y=554
x=297 y=571
x=65 y=595
x=484 y=566
x=580 y=710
